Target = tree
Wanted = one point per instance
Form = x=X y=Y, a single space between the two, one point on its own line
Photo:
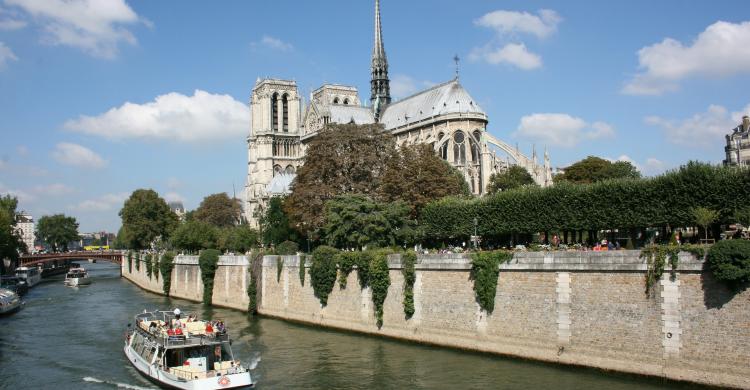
x=219 y=210
x=10 y=240
x=704 y=217
x=417 y=176
x=355 y=221
x=341 y=159
x=57 y=230
x=516 y=176
x=238 y=239
x=194 y=236
x=275 y=224
x=146 y=217
x=593 y=169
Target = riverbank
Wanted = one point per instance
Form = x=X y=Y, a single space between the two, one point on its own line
x=578 y=308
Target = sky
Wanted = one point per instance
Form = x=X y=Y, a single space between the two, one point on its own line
x=102 y=97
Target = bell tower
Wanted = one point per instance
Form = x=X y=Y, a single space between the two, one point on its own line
x=380 y=89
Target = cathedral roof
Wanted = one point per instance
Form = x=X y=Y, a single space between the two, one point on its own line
x=447 y=98
x=280 y=184
x=341 y=113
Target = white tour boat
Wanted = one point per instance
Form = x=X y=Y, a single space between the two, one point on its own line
x=198 y=358
x=77 y=277
x=9 y=301
x=32 y=275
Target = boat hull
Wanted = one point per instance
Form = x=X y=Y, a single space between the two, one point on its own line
x=165 y=380
x=75 y=282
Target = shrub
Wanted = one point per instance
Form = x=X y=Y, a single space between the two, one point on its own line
x=346 y=262
x=729 y=260
x=287 y=248
x=485 y=269
x=166 y=264
x=408 y=260
x=208 y=262
x=656 y=259
x=323 y=272
x=379 y=282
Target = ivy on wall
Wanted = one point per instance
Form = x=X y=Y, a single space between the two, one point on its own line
x=252 y=293
x=166 y=264
x=323 y=272
x=658 y=256
x=155 y=266
x=379 y=282
x=130 y=262
x=137 y=261
x=302 y=270
x=346 y=262
x=208 y=262
x=485 y=269
x=408 y=260
x=147 y=261
x=279 y=266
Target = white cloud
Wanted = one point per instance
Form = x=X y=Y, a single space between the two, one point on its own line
x=55 y=189
x=275 y=43
x=650 y=167
x=561 y=129
x=23 y=196
x=507 y=22
x=173 y=116
x=10 y=21
x=6 y=55
x=173 y=183
x=704 y=129
x=94 y=26
x=76 y=155
x=174 y=197
x=721 y=50
x=514 y=54
x=403 y=85
x=105 y=202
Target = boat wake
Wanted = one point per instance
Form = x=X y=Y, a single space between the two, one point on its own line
x=254 y=363
x=116 y=384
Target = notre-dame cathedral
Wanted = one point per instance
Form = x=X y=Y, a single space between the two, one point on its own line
x=444 y=116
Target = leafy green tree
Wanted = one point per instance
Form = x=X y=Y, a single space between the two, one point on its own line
x=219 y=210
x=355 y=221
x=119 y=242
x=194 y=236
x=275 y=225
x=705 y=217
x=516 y=176
x=57 y=230
x=416 y=175
x=10 y=240
x=742 y=216
x=342 y=159
x=593 y=169
x=238 y=239
x=146 y=217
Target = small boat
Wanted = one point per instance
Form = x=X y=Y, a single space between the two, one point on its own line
x=9 y=301
x=199 y=356
x=31 y=275
x=15 y=284
x=77 y=277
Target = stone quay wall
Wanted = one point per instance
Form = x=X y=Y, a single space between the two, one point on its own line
x=230 y=281
x=577 y=308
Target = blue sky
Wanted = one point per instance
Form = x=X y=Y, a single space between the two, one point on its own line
x=99 y=98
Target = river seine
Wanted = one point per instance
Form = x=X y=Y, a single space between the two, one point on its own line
x=72 y=338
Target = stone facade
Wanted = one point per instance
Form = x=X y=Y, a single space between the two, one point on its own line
x=444 y=116
x=738 y=144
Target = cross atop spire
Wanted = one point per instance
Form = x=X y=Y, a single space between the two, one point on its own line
x=456 y=59
x=379 y=83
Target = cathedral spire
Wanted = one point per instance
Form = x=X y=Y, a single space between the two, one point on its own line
x=379 y=84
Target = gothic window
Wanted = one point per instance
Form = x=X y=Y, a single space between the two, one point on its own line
x=444 y=150
x=335 y=100
x=289 y=170
x=474 y=151
x=459 y=148
x=346 y=101
x=285 y=112
x=276 y=169
x=478 y=135
x=275 y=111
x=274 y=148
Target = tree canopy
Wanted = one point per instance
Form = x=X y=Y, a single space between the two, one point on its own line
x=275 y=224
x=145 y=218
x=219 y=210
x=57 y=230
x=516 y=176
x=417 y=176
x=341 y=159
x=594 y=169
x=194 y=236
x=355 y=221
x=238 y=239
x=10 y=239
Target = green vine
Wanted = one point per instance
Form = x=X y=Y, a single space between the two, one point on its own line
x=130 y=262
x=485 y=269
x=252 y=293
x=408 y=259
x=137 y=261
x=208 y=262
x=155 y=266
x=323 y=272
x=149 y=268
x=165 y=267
x=302 y=270
x=379 y=282
x=657 y=257
x=346 y=262
x=279 y=266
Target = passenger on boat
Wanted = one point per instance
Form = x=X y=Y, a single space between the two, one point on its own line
x=152 y=327
x=209 y=329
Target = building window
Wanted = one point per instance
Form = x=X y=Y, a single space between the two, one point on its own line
x=346 y=101
x=285 y=112
x=289 y=170
x=335 y=100
x=275 y=111
x=277 y=169
x=444 y=151
x=459 y=148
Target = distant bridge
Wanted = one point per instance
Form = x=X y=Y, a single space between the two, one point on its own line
x=33 y=260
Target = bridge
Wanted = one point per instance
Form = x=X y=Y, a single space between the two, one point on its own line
x=37 y=259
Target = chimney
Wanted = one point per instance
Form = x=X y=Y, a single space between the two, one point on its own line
x=745 y=123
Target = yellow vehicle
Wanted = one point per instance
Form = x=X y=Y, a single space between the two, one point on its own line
x=89 y=248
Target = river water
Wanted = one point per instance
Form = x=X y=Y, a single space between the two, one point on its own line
x=72 y=338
